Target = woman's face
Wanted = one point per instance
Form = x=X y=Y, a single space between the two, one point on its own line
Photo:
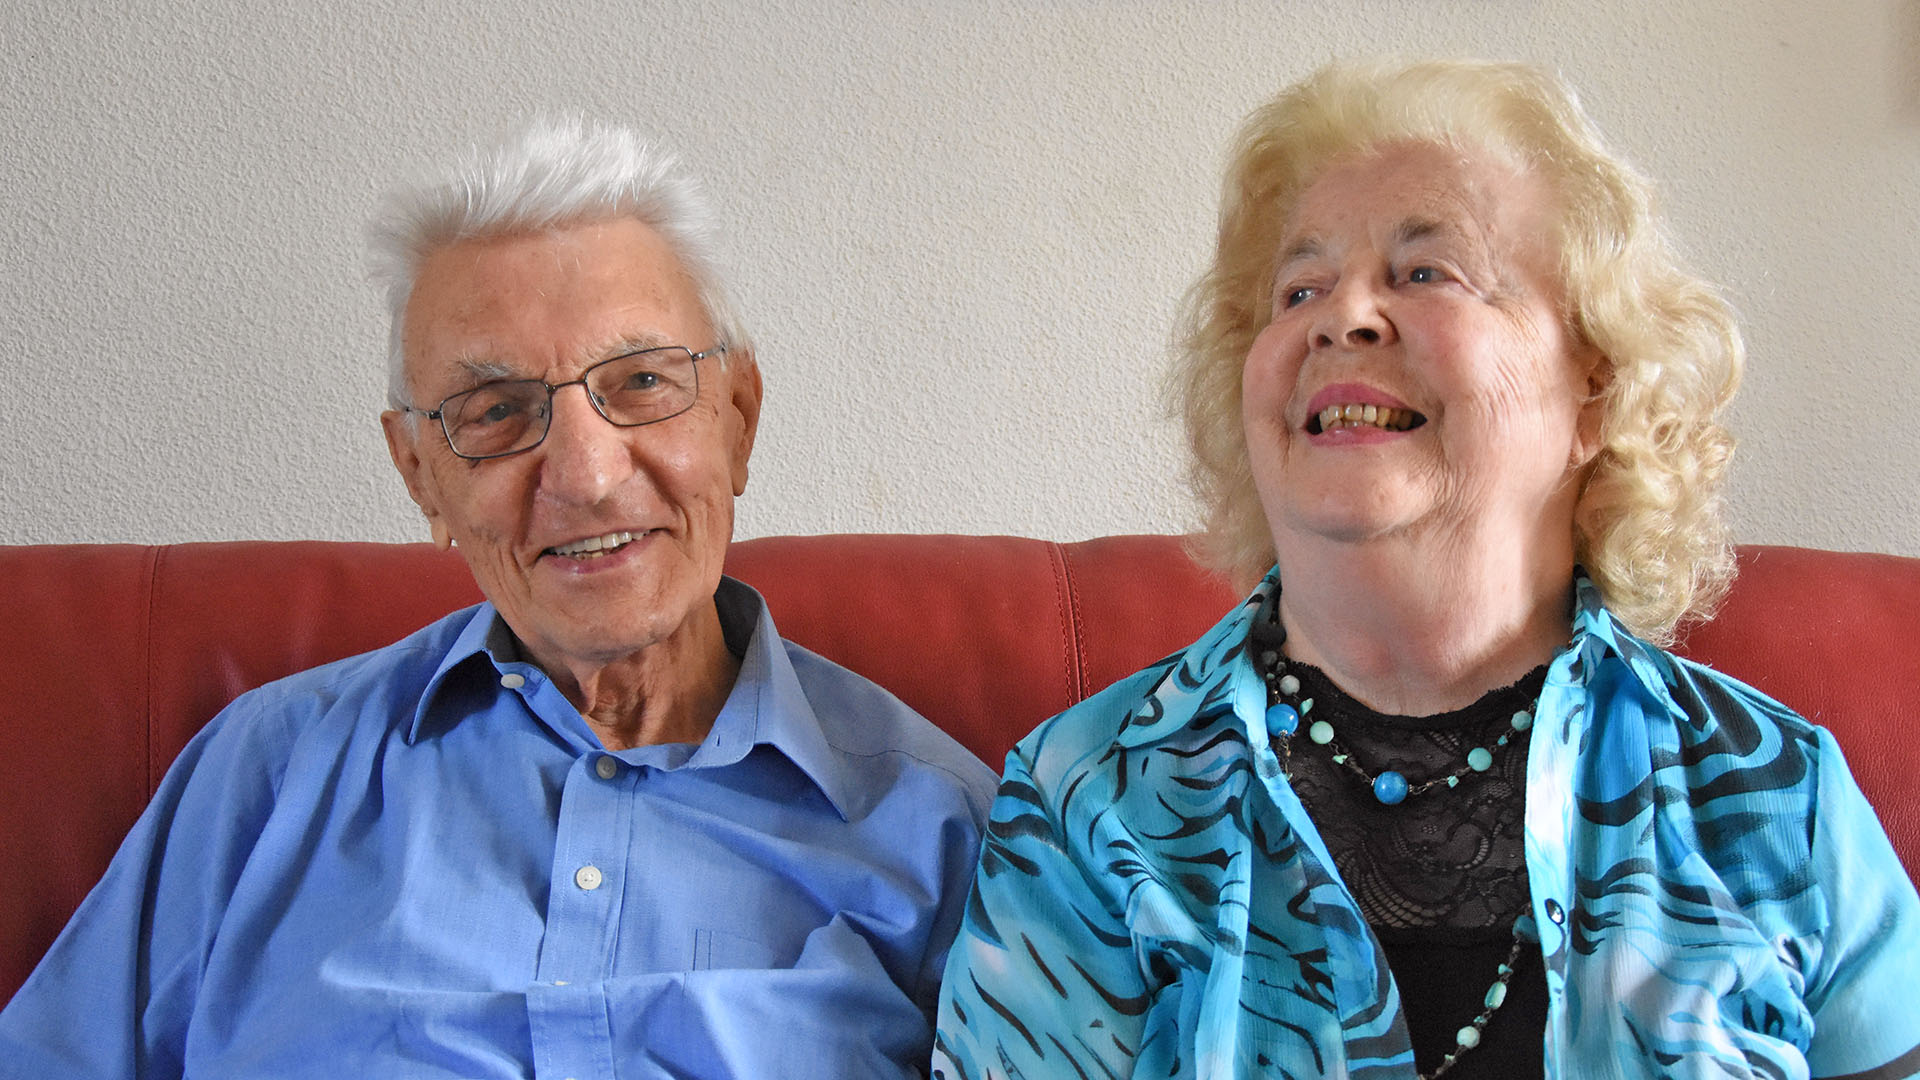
x=1417 y=379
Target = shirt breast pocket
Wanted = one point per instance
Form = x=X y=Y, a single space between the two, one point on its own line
x=721 y=950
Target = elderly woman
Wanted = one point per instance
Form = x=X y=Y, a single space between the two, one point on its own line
x=1433 y=799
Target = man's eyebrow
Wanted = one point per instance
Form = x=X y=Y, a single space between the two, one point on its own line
x=634 y=343
x=477 y=371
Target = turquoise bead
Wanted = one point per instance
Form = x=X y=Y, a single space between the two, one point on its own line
x=1496 y=995
x=1480 y=759
x=1321 y=732
x=1522 y=720
x=1468 y=1038
x=1390 y=788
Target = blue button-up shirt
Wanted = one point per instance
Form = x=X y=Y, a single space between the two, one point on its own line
x=421 y=862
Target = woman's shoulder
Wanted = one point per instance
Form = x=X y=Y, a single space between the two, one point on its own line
x=1089 y=729
x=1718 y=713
x=1174 y=713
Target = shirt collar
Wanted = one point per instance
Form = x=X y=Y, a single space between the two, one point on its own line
x=767 y=706
x=484 y=635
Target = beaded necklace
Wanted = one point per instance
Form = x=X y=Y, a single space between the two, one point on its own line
x=1284 y=717
x=1388 y=786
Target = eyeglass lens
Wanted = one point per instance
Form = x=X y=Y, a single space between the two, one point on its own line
x=510 y=415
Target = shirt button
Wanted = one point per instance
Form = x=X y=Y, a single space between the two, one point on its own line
x=513 y=680
x=588 y=877
x=606 y=767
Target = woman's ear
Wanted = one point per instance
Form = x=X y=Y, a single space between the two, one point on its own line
x=1597 y=379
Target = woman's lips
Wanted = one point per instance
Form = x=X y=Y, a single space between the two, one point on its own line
x=1354 y=407
x=1338 y=417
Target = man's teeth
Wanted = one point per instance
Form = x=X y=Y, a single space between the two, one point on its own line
x=1339 y=416
x=594 y=545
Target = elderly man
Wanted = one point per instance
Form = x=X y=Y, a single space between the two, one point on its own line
x=607 y=823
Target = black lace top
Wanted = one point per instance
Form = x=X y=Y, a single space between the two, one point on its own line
x=1442 y=876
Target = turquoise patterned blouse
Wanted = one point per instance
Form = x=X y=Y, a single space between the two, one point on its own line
x=1714 y=896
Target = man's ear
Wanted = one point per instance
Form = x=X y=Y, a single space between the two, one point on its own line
x=744 y=392
x=400 y=432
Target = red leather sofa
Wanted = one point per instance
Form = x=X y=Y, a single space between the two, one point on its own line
x=120 y=653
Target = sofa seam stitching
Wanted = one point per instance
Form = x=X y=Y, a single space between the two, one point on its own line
x=1079 y=624
x=150 y=587
x=1056 y=560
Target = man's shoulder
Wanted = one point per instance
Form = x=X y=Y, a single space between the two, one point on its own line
x=394 y=676
x=861 y=719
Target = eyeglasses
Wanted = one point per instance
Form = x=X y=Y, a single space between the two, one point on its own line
x=513 y=415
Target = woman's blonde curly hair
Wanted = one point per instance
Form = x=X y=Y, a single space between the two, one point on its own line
x=1648 y=525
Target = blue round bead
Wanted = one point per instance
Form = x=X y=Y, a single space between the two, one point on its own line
x=1282 y=719
x=1390 y=787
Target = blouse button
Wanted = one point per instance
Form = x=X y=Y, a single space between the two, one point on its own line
x=1555 y=913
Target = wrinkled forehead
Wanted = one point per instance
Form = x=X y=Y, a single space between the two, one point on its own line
x=1414 y=180
x=540 y=304
x=1405 y=192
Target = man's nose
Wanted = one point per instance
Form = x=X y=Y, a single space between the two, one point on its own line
x=584 y=456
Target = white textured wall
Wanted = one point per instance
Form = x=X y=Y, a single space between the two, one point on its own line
x=958 y=228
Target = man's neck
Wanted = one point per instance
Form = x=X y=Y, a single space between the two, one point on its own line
x=669 y=692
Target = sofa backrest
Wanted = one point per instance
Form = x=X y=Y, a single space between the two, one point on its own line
x=122 y=652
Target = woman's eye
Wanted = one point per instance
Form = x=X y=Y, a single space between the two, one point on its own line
x=1296 y=297
x=1423 y=275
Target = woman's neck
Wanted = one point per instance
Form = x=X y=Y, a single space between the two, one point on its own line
x=1415 y=627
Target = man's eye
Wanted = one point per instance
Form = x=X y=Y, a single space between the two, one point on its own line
x=1423 y=275
x=488 y=409
x=642 y=380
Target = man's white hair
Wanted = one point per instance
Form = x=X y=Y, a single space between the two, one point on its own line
x=551 y=174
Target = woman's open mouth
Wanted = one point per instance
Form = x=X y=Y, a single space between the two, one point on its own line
x=1336 y=417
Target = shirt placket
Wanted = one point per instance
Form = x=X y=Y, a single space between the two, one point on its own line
x=567 y=1007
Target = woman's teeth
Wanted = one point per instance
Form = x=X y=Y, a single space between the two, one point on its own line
x=593 y=546
x=1334 y=417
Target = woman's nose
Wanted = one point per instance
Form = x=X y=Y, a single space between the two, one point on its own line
x=1352 y=318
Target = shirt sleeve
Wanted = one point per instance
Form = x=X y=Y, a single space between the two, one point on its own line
x=1862 y=984
x=113 y=996
x=1042 y=980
